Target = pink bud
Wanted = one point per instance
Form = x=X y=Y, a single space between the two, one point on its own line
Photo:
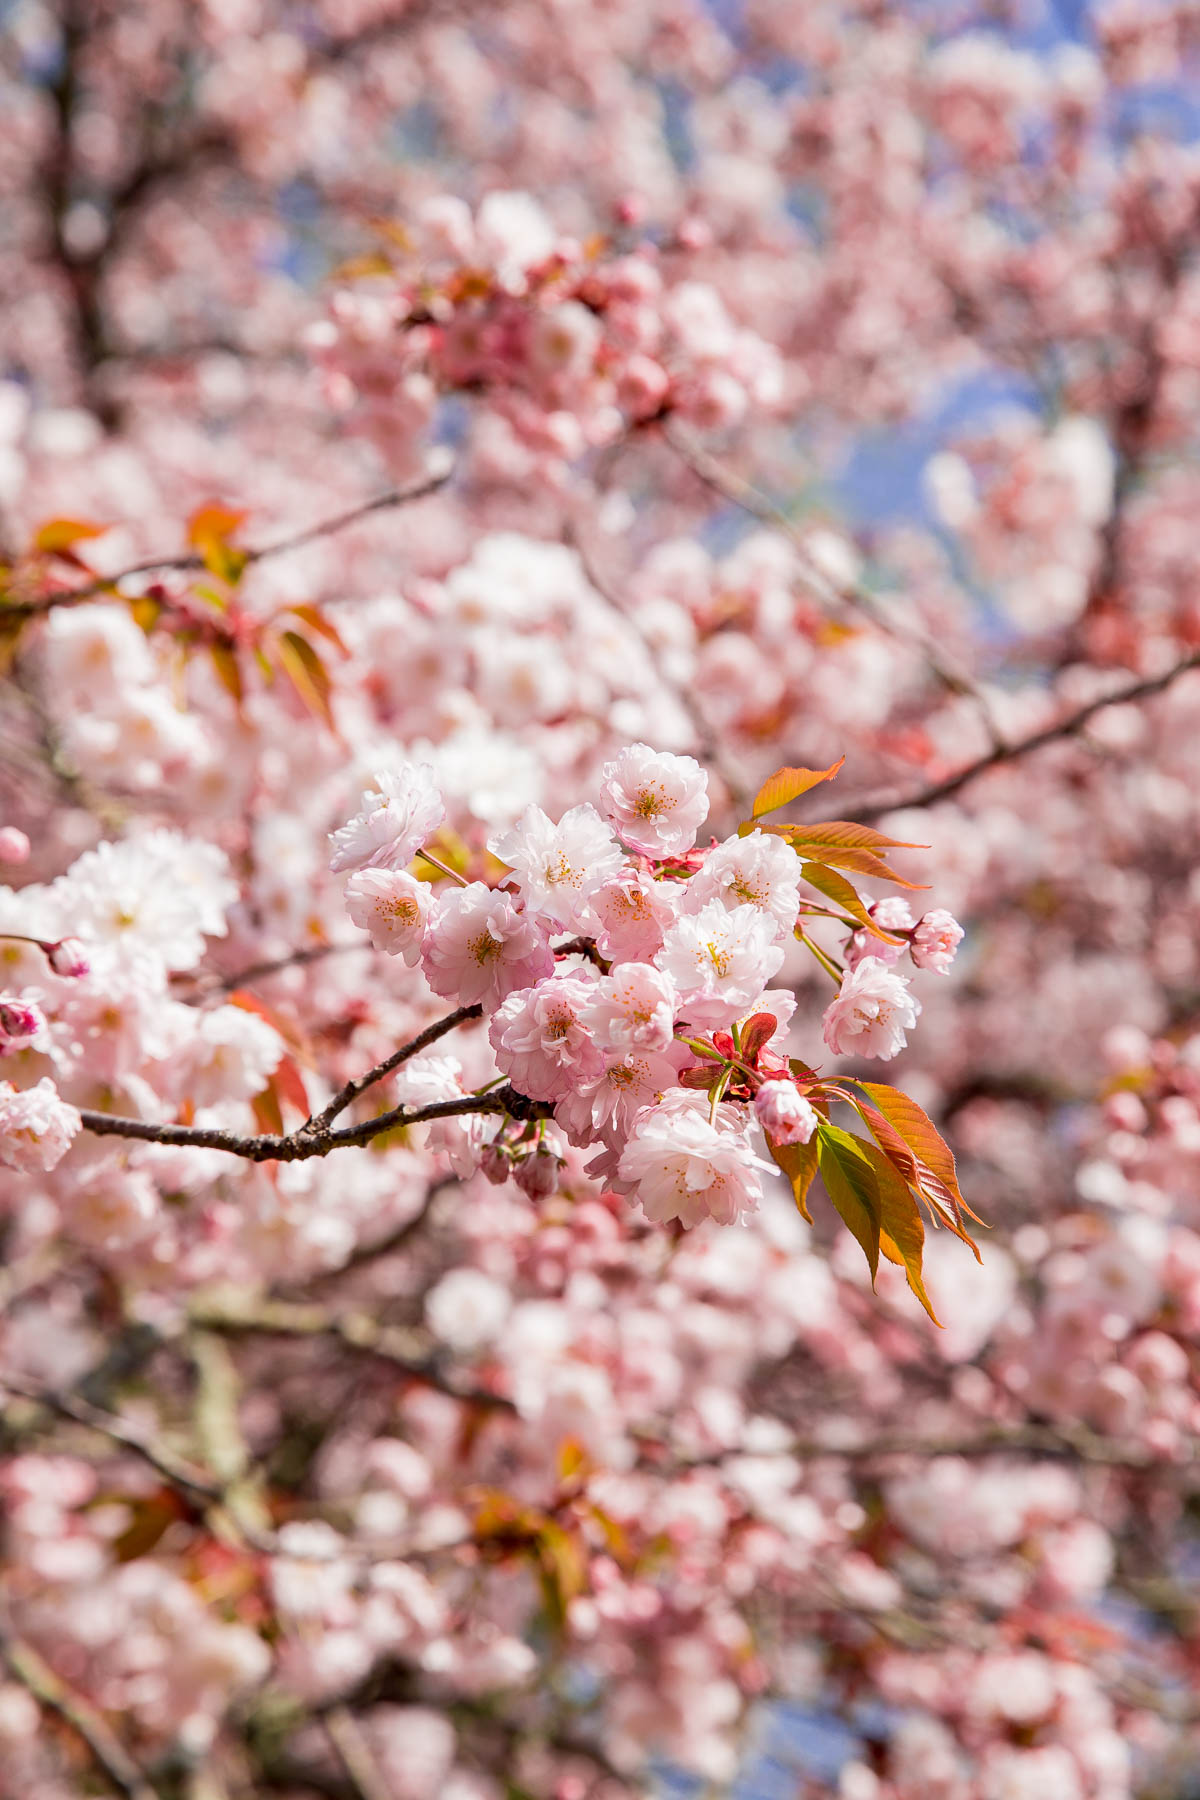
x=784 y=1114
x=537 y=1175
x=14 y=845
x=67 y=957
x=18 y=1019
x=935 y=940
x=495 y=1164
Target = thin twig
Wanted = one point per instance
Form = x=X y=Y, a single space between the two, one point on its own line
x=191 y=561
x=107 y=1751
x=321 y=1121
x=354 y=1754
x=173 y=1469
x=1010 y=753
x=404 y=1349
x=739 y=492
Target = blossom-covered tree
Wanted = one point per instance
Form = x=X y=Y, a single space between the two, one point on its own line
x=577 y=579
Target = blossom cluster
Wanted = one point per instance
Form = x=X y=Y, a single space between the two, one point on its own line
x=620 y=967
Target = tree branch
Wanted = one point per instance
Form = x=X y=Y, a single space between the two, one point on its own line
x=1010 y=753
x=107 y=1751
x=730 y=486
x=296 y=1146
x=403 y=1349
x=321 y=1121
x=439 y=474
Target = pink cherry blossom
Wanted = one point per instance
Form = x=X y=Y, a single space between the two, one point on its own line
x=935 y=941
x=688 y=1168
x=558 y=866
x=544 y=1039
x=784 y=1114
x=871 y=1013
x=399 y=814
x=481 y=945
x=657 y=802
x=36 y=1126
x=392 y=908
x=720 y=960
x=632 y=1009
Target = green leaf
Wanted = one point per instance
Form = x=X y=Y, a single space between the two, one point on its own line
x=799 y=1164
x=786 y=785
x=853 y=1187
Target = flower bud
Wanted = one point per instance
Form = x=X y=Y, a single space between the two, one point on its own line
x=495 y=1163
x=67 y=957
x=784 y=1114
x=537 y=1175
x=18 y=1019
x=935 y=940
x=14 y=845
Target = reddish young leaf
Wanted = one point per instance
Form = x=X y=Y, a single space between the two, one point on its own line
x=756 y=1033
x=307 y=674
x=917 y=1130
x=210 y=533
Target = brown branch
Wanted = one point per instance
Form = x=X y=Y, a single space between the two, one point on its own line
x=320 y=1122
x=107 y=1751
x=439 y=474
x=741 y=493
x=1010 y=753
x=404 y=1349
x=297 y=1146
x=174 y=1470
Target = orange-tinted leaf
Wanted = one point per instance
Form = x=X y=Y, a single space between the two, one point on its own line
x=62 y=534
x=307 y=674
x=853 y=1187
x=786 y=785
x=210 y=533
x=315 y=619
x=268 y=1115
x=843 y=893
x=799 y=1164
x=289 y=1084
x=844 y=834
x=229 y=674
x=939 y=1178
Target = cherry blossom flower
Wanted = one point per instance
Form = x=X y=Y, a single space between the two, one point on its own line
x=392 y=908
x=559 y=866
x=544 y=1038
x=631 y=913
x=36 y=1126
x=720 y=960
x=935 y=941
x=688 y=1168
x=657 y=801
x=481 y=945
x=784 y=1114
x=873 y=1010
x=758 y=870
x=632 y=1009
x=399 y=814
